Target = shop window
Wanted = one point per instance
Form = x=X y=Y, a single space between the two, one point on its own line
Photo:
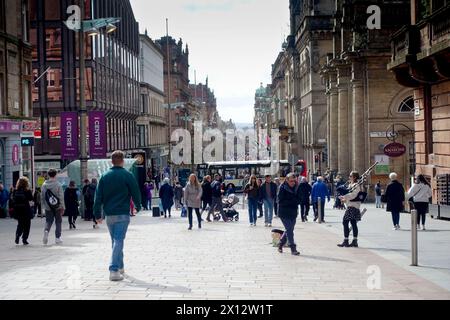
x=53 y=44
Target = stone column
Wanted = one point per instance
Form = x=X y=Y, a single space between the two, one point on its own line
x=334 y=123
x=343 y=121
x=358 y=119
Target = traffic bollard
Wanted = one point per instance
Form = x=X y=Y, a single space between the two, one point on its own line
x=319 y=209
x=414 y=248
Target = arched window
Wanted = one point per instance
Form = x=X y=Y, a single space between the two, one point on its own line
x=407 y=105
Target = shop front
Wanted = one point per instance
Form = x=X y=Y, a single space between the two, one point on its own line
x=10 y=152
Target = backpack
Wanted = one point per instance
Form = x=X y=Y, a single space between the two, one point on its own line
x=52 y=200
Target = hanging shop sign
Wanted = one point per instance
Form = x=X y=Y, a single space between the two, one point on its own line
x=394 y=150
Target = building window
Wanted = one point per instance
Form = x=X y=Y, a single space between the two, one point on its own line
x=407 y=105
x=54 y=124
x=53 y=44
x=2 y=96
x=24 y=21
x=54 y=85
x=26 y=99
x=52 y=10
x=141 y=136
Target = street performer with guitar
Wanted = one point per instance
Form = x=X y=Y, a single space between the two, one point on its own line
x=352 y=214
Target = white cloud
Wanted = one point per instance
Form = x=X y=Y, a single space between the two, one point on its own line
x=233 y=42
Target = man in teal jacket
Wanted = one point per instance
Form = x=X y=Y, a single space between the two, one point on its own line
x=114 y=192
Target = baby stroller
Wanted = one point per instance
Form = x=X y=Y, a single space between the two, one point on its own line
x=230 y=214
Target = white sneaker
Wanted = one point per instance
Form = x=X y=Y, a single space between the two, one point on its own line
x=45 y=240
x=122 y=271
x=58 y=241
x=115 y=276
x=423 y=228
x=394 y=228
x=269 y=225
x=398 y=227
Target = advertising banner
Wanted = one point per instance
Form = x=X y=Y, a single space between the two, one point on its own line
x=69 y=136
x=97 y=135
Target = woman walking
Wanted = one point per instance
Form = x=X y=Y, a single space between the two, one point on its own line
x=252 y=192
x=149 y=195
x=206 y=194
x=71 y=201
x=395 y=197
x=192 y=199
x=288 y=201
x=352 y=213
x=21 y=199
x=421 y=194
x=166 y=195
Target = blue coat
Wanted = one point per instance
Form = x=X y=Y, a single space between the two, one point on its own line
x=166 y=194
x=4 y=197
x=320 y=190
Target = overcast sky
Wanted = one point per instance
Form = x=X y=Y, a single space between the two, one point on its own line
x=234 y=42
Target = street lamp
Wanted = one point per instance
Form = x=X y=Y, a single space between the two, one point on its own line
x=91 y=27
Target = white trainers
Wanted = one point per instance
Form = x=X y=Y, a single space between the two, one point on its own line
x=58 y=241
x=115 y=276
x=269 y=225
x=423 y=228
x=122 y=271
x=45 y=240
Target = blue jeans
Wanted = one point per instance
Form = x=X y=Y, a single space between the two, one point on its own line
x=378 y=201
x=252 y=210
x=268 y=210
x=117 y=226
x=395 y=217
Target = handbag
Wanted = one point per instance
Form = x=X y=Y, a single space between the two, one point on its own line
x=411 y=201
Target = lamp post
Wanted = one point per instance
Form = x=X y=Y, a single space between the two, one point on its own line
x=92 y=28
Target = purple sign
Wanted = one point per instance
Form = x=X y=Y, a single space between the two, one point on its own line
x=97 y=135
x=15 y=155
x=69 y=136
x=10 y=127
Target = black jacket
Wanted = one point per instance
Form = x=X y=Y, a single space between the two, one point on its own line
x=252 y=194
x=395 y=195
x=273 y=190
x=21 y=204
x=304 y=192
x=288 y=201
x=71 y=202
x=216 y=187
x=207 y=192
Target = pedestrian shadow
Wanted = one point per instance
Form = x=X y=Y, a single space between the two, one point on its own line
x=328 y=259
x=153 y=286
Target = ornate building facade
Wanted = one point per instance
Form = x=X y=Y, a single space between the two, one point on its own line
x=364 y=103
x=421 y=62
x=15 y=91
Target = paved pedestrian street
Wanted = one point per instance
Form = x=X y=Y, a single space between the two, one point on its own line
x=163 y=260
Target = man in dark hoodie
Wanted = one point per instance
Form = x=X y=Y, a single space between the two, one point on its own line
x=288 y=201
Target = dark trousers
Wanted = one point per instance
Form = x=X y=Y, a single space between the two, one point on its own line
x=72 y=219
x=322 y=209
x=304 y=208
x=205 y=204
x=199 y=216
x=422 y=209
x=260 y=209
x=216 y=202
x=289 y=225
x=89 y=211
x=38 y=209
x=23 y=228
x=354 y=224
x=395 y=217
x=275 y=208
